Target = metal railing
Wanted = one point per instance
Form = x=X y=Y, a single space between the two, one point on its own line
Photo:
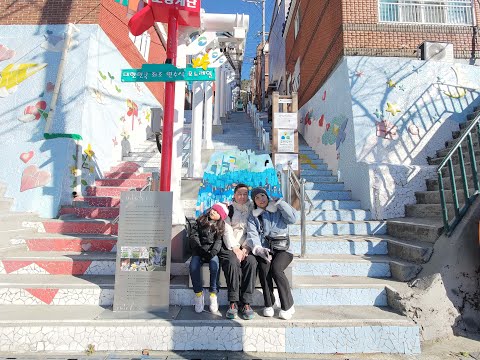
x=450 y=224
x=148 y=186
x=452 y=12
x=298 y=185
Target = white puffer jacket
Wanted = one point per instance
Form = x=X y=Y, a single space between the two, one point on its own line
x=236 y=228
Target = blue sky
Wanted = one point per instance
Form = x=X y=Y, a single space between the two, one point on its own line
x=255 y=12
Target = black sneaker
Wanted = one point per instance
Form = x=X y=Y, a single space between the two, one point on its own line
x=232 y=311
x=247 y=312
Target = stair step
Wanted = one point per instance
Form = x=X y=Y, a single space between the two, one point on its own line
x=319 y=178
x=309 y=174
x=374 y=266
x=71 y=243
x=313 y=330
x=91 y=212
x=126 y=175
x=148 y=154
x=125 y=167
x=337 y=215
x=450 y=143
x=342 y=244
x=57 y=263
x=414 y=251
x=310 y=185
x=335 y=204
x=433 y=197
x=328 y=186
x=329 y=194
x=131 y=183
x=321 y=228
x=422 y=229
x=455 y=158
x=108 y=190
x=77 y=226
x=432 y=184
x=100 y=201
x=427 y=210
x=98 y=290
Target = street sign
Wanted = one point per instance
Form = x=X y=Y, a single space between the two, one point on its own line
x=166 y=73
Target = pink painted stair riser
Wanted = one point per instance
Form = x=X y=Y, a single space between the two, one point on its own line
x=91 y=212
x=106 y=191
x=98 y=201
x=126 y=175
x=126 y=167
x=80 y=227
x=77 y=245
x=60 y=267
x=121 y=182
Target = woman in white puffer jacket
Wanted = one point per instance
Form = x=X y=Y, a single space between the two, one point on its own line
x=238 y=264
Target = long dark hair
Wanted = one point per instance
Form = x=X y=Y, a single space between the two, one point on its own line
x=214 y=226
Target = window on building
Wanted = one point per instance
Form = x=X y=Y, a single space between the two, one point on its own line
x=452 y=12
x=142 y=43
x=297 y=23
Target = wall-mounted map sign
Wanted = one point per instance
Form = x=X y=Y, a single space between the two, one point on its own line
x=167 y=73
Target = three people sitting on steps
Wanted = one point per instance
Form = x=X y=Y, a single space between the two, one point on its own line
x=254 y=234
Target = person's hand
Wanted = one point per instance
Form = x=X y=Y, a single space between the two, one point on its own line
x=262 y=252
x=239 y=254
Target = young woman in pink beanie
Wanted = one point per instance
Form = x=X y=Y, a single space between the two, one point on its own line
x=206 y=241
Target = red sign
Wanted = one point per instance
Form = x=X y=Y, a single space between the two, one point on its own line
x=188 y=12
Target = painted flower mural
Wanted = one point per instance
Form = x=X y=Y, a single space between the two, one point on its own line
x=335 y=131
x=6 y=53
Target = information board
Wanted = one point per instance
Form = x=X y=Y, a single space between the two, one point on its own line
x=285 y=120
x=286 y=140
x=142 y=273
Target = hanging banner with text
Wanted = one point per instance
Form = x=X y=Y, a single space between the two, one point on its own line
x=142 y=272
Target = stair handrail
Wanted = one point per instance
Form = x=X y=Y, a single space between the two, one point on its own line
x=459 y=213
x=302 y=196
x=144 y=188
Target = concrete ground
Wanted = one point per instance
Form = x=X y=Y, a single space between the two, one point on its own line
x=458 y=348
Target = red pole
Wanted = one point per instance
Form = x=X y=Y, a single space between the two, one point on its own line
x=168 y=119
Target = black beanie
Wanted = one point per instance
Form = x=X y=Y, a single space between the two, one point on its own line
x=257 y=191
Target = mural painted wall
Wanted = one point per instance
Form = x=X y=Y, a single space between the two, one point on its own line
x=39 y=173
x=402 y=111
x=226 y=169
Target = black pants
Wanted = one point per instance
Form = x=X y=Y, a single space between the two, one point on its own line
x=240 y=276
x=275 y=270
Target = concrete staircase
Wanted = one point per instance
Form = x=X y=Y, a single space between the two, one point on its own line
x=56 y=292
x=423 y=220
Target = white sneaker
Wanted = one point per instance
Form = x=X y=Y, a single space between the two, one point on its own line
x=268 y=312
x=199 y=302
x=287 y=314
x=213 y=303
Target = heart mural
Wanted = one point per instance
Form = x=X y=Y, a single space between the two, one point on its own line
x=27 y=156
x=34 y=112
x=6 y=53
x=33 y=177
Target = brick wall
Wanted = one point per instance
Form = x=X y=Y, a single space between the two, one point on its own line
x=110 y=15
x=319 y=43
x=331 y=28
x=113 y=21
x=20 y=12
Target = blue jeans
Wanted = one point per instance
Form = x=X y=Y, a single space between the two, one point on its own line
x=196 y=275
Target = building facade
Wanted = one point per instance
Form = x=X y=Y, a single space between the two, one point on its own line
x=373 y=102
x=96 y=118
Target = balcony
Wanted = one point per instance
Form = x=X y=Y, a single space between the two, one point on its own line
x=446 y=12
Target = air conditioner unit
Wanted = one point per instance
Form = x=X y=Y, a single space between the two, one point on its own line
x=437 y=51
